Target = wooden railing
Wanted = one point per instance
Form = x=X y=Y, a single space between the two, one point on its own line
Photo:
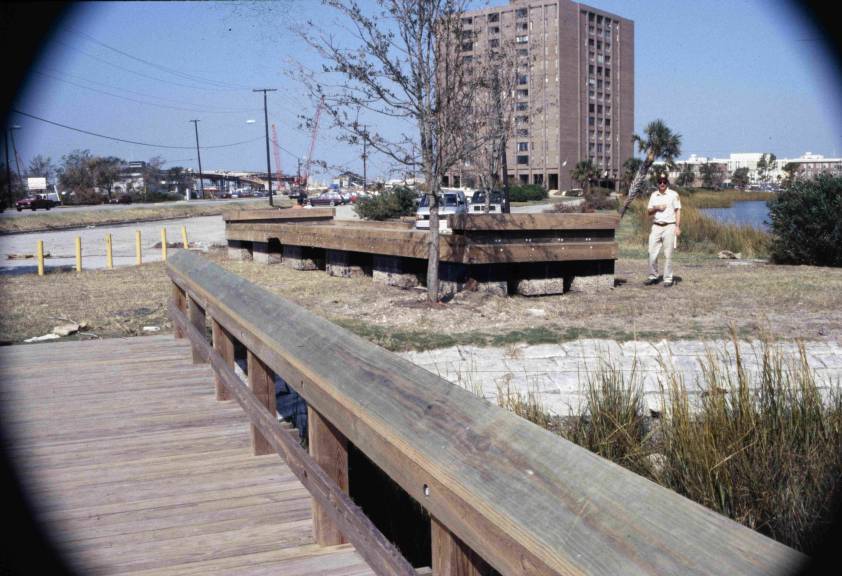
x=499 y=489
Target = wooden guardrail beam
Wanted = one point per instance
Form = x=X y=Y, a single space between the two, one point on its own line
x=525 y=500
x=527 y=222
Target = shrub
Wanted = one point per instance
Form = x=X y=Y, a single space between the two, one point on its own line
x=527 y=193
x=807 y=223
x=394 y=204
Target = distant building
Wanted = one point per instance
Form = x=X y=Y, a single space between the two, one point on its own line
x=348 y=180
x=809 y=166
x=575 y=88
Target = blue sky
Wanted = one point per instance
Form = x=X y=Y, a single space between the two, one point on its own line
x=730 y=76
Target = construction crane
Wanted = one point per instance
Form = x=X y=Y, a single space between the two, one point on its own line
x=306 y=175
x=276 y=148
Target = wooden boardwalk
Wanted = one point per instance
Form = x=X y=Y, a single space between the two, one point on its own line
x=139 y=470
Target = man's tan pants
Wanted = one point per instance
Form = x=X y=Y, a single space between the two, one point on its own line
x=661 y=235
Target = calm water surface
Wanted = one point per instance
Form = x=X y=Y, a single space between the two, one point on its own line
x=752 y=213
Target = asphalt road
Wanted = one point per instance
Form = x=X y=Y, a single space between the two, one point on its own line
x=12 y=213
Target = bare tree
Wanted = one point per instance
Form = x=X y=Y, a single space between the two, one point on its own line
x=400 y=60
x=493 y=108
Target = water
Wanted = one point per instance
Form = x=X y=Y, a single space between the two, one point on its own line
x=754 y=213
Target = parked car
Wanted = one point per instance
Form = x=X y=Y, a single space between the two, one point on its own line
x=478 y=202
x=326 y=199
x=450 y=202
x=35 y=202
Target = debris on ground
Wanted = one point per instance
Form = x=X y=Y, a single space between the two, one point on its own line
x=42 y=338
x=151 y=328
x=728 y=255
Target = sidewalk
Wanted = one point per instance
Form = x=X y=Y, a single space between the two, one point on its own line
x=559 y=371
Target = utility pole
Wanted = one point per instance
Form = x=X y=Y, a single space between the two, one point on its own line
x=201 y=184
x=365 y=157
x=17 y=158
x=8 y=173
x=266 y=121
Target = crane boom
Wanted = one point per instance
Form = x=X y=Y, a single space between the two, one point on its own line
x=305 y=177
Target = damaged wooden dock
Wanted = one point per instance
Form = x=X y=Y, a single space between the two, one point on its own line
x=528 y=254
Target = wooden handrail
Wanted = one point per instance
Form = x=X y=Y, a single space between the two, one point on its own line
x=524 y=500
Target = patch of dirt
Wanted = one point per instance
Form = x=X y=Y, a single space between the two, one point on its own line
x=786 y=301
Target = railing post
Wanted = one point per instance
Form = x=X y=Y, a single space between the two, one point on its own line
x=329 y=448
x=223 y=343
x=451 y=556
x=180 y=299
x=197 y=319
x=262 y=383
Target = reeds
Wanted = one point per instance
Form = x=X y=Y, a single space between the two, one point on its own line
x=762 y=446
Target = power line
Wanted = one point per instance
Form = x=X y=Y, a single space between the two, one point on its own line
x=131 y=141
x=130 y=71
x=161 y=67
x=141 y=101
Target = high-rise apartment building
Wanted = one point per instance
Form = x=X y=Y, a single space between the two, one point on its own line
x=574 y=98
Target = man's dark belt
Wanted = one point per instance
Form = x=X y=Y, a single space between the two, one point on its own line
x=663 y=223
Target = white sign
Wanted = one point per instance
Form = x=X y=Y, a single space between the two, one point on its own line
x=36 y=183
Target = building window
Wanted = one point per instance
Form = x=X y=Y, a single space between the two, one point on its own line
x=591 y=121
x=523 y=159
x=467 y=46
x=522 y=39
x=521 y=13
x=523 y=146
x=523 y=93
x=523 y=79
x=591 y=108
x=521 y=119
x=523 y=132
x=467 y=59
x=523 y=51
x=493 y=29
x=467 y=21
x=590 y=68
x=494 y=17
x=521 y=106
x=494 y=43
x=522 y=27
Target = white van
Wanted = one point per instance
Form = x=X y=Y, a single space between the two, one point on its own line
x=451 y=201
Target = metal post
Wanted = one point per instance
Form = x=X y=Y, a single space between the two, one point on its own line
x=199 y=156
x=8 y=172
x=266 y=121
x=365 y=157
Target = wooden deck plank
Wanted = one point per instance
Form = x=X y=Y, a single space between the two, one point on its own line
x=137 y=468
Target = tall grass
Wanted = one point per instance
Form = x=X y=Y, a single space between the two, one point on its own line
x=700 y=233
x=763 y=447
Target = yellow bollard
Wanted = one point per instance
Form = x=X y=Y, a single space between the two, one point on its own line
x=78 y=253
x=184 y=237
x=164 y=244
x=40 y=257
x=109 y=257
x=138 y=257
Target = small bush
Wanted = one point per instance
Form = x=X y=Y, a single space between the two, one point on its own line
x=399 y=202
x=807 y=223
x=527 y=193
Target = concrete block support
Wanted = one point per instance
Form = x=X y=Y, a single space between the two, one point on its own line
x=343 y=264
x=239 y=250
x=489 y=278
x=540 y=278
x=394 y=271
x=453 y=278
x=262 y=252
x=299 y=258
x=590 y=277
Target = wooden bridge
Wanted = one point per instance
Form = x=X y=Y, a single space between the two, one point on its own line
x=139 y=454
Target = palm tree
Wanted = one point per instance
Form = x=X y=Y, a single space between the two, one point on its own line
x=660 y=142
x=583 y=173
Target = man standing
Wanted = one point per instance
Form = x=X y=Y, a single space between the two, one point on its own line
x=665 y=206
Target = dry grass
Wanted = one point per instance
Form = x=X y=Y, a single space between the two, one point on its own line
x=798 y=301
x=764 y=449
x=62 y=219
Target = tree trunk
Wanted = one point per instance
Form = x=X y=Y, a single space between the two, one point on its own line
x=433 y=256
x=635 y=186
